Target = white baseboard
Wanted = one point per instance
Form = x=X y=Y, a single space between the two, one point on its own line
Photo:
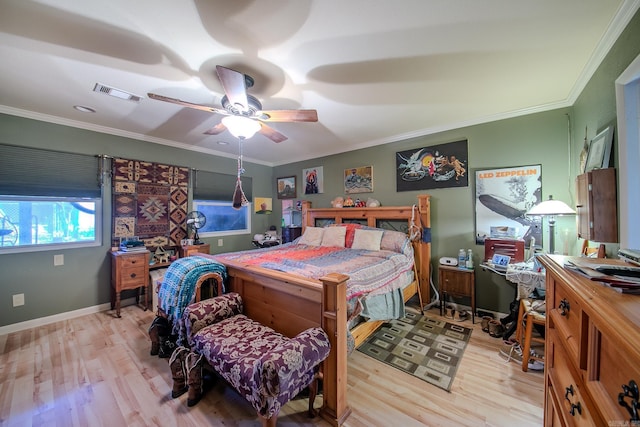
x=34 y=323
x=458 y=307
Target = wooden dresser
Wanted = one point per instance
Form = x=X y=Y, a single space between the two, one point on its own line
x=592 y=355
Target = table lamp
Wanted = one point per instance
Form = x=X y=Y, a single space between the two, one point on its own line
x=551 y=208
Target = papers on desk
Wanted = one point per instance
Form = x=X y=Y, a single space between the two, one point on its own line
x=623 y=284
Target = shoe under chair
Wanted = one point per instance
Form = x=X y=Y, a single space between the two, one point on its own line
x=484 y=323
x=496 y=329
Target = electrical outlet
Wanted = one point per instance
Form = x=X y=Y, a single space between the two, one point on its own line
x=58 y=260
x=18 y=300
x=220 y=242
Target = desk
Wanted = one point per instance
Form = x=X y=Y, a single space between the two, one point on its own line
x=457 y=282
x=526 y=280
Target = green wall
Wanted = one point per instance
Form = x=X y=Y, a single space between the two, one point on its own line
x=541 y=138
x=84 y=279
x=595 y=108
x=553 y=139
x=533 y=139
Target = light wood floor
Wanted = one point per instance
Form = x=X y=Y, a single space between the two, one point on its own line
x=96 y=370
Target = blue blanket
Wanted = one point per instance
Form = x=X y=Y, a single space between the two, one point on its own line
x=179 y=285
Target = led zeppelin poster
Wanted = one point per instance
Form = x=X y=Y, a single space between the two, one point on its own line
x=503 y=196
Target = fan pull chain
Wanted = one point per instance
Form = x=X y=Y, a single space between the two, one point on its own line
x=239 y=198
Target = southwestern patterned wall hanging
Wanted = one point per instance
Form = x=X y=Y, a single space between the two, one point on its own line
x=150 y=202
x=437 y=166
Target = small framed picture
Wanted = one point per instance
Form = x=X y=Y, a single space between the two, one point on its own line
x=358 y=180
x=313 y=180
x=599 y=152
x=262 y=205
x=287 y=187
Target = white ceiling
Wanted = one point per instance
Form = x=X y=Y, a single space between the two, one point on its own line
x=376 y=71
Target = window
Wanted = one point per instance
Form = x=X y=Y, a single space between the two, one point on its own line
x=213 y=195
x=222 y=218
x=38 y=223
x=48 y=200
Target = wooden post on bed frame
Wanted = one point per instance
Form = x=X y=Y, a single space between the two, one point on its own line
x=424 y=248
x=306 y=205
x=334 y=320
x=289 y=305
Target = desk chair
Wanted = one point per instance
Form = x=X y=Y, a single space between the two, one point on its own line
x=524 y=334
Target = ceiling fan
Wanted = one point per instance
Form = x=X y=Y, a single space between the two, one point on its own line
x=244 y=113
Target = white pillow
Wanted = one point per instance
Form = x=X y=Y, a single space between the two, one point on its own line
x=367 y=239
x=334 y=236
x=312 y=236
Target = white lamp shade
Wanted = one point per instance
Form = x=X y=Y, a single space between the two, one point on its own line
x=551 y=207
x=241 y=127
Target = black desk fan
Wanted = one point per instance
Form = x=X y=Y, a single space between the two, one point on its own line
x=195 y=221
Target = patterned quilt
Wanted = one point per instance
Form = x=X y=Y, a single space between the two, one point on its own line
x=371 y=273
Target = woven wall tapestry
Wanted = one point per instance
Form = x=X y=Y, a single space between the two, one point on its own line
x=150 y=202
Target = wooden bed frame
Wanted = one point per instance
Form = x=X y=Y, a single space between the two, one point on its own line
x=290 y=304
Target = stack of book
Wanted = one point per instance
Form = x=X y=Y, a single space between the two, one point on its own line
x=132 y=246
x=622 y=276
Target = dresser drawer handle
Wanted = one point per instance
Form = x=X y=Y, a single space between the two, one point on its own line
x=564 y=307
x=133 y=275
x=575 y=407
x=568 y=392
x=630 y=391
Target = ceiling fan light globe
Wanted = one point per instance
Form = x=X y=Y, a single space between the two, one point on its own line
x=241 y=127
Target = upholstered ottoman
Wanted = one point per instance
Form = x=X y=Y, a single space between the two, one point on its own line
x=266 y=367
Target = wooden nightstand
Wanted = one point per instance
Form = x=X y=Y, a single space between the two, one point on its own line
x=185 y=251
x=129 y=270
x=457 y=282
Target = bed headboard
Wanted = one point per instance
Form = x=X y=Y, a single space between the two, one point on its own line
x=418 y=215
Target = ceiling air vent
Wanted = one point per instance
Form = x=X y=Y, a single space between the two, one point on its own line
x=111 y=91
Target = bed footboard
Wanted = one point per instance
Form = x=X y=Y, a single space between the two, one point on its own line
x=291 y=305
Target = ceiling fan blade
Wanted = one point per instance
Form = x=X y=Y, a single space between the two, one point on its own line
x=186 y=104
x=235 y=87
x=217 y=129
x=288 y=115
x=271 y=133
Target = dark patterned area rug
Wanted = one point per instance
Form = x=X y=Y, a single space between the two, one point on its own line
x=424 y=347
